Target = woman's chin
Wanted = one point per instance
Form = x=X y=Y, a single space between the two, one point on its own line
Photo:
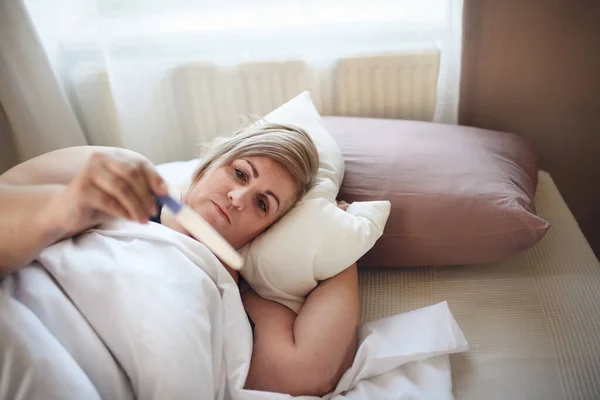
x=214 y=220
x=218 y=223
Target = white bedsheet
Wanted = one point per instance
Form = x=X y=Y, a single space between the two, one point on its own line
x=134 y=311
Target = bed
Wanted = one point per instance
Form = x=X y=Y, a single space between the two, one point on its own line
x=532 y=320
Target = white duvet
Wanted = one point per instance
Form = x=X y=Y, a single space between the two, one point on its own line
x=141 y=311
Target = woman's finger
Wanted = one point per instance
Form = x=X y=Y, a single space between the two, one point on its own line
x=118 y=188
x=135 y=176
x=155 y=181
x=343 y=205
x=104 y=202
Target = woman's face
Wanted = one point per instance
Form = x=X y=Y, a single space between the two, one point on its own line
x=242 y=199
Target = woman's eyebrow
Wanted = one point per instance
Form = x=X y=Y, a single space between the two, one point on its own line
x=270 y=193
x=254 y=171
x=256 y=175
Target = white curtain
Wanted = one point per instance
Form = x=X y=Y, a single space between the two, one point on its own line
x=8 y=153
x=448 y=88
x=161 y=76
x=40 y=117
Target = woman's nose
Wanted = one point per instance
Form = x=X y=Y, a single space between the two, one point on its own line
x=239 y=197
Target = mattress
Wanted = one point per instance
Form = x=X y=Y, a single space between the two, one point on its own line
x=532 y=320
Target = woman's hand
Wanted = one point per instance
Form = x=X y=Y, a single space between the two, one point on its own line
x=62 y=193
x=343 y=205
x=109 y=185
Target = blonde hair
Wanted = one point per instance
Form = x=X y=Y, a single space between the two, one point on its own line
x=288 y=145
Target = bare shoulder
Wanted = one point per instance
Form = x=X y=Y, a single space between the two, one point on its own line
x=59 y=166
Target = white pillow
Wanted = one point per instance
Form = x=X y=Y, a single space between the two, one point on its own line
x=315 y=240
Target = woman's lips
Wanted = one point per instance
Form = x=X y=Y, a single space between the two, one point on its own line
x=221 y=212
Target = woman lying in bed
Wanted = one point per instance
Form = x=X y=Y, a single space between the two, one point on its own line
x=244 y=184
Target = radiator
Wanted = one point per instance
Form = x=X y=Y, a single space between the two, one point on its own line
x=204 y=101
x=215 y=101
x=399 y=86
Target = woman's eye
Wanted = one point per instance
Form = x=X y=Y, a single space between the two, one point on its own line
x=240 y=174
x=262 y=205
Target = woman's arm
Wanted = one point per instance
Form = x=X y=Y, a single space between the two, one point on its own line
x=60 y=166
x=305 y=354
x=60 y=194
x=25 y=225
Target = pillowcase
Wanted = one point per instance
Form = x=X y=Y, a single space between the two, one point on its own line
x=459 y=195
x=315 y=240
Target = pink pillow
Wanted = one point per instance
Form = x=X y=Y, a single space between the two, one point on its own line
x=459 y=195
